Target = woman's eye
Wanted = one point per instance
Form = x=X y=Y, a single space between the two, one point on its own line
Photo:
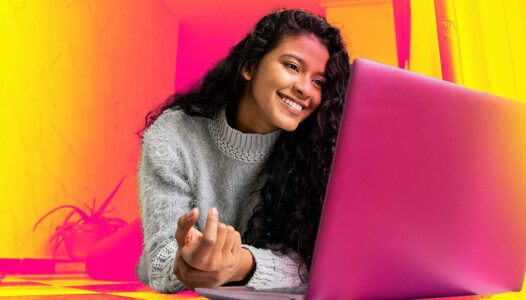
x=292 y=66
x=319 y=83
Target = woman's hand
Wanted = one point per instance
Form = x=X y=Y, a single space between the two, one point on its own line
x=212 y=258
x=215 y=249
x=193 y=278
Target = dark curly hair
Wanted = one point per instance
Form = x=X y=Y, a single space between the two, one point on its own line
x=297 y=169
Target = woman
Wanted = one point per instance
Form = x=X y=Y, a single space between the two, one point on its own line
x=233 y=174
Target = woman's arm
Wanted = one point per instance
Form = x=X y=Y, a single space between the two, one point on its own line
x=164 y=196
x=274 y=269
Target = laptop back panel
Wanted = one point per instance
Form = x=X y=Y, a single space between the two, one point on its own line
x=427 y=191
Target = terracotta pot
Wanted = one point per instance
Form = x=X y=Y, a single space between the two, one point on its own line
x=79 y=242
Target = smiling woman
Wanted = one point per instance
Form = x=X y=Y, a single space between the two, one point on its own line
x=251 y=145
x=286 y=87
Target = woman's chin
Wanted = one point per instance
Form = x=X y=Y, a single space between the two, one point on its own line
x=289 y=126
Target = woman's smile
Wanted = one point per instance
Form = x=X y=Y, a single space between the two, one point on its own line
x=291 y=105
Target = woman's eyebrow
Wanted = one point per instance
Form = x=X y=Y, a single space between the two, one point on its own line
x=301 y=61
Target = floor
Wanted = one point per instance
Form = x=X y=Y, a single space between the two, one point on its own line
x=80 y=286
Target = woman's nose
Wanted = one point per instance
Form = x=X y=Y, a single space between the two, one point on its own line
x=302 y=86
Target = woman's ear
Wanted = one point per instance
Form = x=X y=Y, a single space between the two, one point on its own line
x=246 y=73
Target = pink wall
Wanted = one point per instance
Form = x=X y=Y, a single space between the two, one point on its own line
x=206 y=38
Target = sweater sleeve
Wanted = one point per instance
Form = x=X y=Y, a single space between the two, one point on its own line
x=164 y=196
x=275 y=270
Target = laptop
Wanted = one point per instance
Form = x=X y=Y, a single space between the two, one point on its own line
x=426 y=197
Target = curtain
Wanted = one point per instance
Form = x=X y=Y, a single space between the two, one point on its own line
x=482 y=44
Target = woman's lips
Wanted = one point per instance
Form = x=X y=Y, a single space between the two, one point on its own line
x=291 y=109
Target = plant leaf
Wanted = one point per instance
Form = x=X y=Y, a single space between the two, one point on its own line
x=89 y=208
x=78 y=210
x=119 y=221
x=71 y=214
x=107 y=201
x=54 y=238
x=56 y=247
x=111 y=209
x=61 y=229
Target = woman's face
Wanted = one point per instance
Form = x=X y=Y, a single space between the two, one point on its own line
x=285 y=88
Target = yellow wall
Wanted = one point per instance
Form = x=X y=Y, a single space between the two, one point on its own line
x=492 y=38
x=424 y=54
x=367 y=28
x=76 y=80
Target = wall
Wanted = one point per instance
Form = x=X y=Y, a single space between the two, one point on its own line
x=76 y=80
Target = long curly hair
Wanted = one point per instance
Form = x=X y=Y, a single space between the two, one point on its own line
x=297 y=169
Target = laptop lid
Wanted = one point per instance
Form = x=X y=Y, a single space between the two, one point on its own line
x=427 y=193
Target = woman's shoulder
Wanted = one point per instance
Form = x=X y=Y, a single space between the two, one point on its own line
x=167 y=144
x=173 y=118
x=175 y=128
x=173 y=124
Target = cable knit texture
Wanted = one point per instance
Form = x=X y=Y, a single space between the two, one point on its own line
x=188 y=161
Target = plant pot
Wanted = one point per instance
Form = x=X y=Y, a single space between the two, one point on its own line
x=79 y=242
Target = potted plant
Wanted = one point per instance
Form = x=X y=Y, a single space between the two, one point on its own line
x=91 y=226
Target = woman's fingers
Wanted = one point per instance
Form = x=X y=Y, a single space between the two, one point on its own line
x=184 y=224
x=237 y=244
x=229 y=243
x=216 y=248
x=208 y=239
x=211 y=224
x=221 y=239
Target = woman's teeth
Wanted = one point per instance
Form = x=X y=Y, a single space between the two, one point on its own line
x=292 y=104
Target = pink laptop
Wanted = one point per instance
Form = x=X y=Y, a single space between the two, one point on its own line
x=427 y=194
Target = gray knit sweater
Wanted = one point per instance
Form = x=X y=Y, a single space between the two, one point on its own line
x=187 y=162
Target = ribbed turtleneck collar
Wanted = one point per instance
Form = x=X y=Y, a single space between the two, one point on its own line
x=248 y=147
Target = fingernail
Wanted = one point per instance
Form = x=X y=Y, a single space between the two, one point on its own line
x=214 y=211
x=189 y=214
